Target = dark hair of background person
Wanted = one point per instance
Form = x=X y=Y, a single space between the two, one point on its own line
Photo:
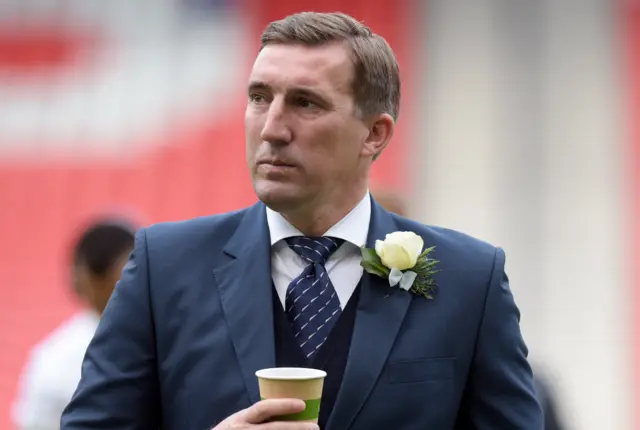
x=101 y=245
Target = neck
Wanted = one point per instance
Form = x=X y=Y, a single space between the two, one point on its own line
x=315 y=222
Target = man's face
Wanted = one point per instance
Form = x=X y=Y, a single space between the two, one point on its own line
x=304 y=141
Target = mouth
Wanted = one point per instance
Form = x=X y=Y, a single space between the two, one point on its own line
x=275 y=170
x=276 y=163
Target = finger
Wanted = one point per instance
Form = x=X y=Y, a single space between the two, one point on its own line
x=288 y=425
x=266 y=409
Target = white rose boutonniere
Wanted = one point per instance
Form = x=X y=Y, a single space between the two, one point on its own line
x=401 y=259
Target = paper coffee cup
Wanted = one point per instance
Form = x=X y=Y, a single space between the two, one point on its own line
x=293 y=383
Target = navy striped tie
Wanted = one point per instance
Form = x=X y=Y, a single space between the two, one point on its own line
x=311 y=303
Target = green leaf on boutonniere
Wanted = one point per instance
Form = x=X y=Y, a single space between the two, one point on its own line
x=425 y=283
x=372 y=264
x=426 y=252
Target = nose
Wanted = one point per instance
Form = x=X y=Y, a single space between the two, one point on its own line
x=276 y=129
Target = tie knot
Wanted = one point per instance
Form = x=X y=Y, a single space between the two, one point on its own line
x=314 y=250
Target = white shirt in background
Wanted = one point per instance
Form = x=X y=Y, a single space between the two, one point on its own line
x=52 y=373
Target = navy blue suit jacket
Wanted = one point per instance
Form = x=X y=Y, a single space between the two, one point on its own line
x=191 y=321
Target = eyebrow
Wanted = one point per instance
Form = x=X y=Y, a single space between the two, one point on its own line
x=257 y=85
x=302 y=90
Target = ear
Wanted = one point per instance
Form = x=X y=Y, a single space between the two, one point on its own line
x=380 y=134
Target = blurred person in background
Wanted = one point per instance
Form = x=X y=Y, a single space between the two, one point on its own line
x=53 y=368
x=549 y=401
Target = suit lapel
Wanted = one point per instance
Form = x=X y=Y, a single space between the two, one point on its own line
x=245 y=287
x=380 y=313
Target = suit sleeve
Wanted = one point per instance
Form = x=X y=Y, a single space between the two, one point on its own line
x=500 y=392
x=118 y=389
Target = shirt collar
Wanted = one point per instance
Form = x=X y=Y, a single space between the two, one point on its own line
x=353 y=228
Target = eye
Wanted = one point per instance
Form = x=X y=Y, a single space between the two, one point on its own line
x=256 y=98
x=306 y=103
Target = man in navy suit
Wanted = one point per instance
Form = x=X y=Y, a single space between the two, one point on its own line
x=203 y=304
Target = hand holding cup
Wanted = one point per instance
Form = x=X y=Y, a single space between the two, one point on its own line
x=260 y=416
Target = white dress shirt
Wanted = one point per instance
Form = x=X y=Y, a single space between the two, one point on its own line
x=52 y=373
x=343 y=266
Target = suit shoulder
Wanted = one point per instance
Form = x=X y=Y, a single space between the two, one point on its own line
x=190 y=230
x=448 y=241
